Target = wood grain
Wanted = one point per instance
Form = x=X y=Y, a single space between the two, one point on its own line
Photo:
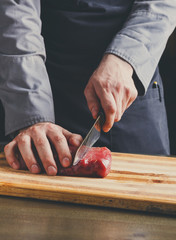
x=137 y=182
x=42 y=220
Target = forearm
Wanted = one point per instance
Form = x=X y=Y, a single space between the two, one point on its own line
x=144 y=35
x=25 y=92
x=24 y=85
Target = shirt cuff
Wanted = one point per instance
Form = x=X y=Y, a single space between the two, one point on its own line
x=25 y=92
x=136 y=54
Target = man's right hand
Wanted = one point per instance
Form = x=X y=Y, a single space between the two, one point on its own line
x=41 y=134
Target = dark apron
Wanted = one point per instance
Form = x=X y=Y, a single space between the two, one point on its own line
x=76 y=35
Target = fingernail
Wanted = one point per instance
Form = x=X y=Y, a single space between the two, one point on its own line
x=66 y=162
x=15 y=166
x=52 y=171
x=34 y=168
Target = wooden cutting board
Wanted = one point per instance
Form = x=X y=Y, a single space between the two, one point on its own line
x=136 y=182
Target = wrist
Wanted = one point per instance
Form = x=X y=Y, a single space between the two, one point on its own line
x=119 y=61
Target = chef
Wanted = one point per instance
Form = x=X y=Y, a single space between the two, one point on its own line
x=61 y=60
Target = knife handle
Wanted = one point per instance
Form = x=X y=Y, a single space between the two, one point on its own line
x=102 y=117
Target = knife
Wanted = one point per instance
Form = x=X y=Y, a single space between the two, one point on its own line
x=91 y=138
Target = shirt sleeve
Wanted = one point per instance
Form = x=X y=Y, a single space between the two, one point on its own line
x=144 y=35
x=25 y=90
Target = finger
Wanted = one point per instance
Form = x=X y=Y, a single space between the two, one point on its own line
x=21 y=161
x=10 y=155
x=126 y=100
x=61 y=146
x=92 y=100
x=45 y=153
x=119 y=106
x=72 y=138
x=75 y=140
x=25 y=148
x=109 y=106
x=119 y=113
x=132 y=99
x=124 y=106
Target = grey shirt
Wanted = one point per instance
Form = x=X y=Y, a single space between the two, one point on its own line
x=24 y=84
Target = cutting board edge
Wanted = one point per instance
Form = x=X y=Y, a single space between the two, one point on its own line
x=118 y=203
x=79 y=191
x=19 y=187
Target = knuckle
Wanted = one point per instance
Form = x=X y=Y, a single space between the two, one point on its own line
x=135 y=94
x=59 y=138
x=50 y=126
x=107 y=86
x=6 y=148
x=88 y=90
x=77 y=136
x=119 y=86
x=111 y=109
x=22 y=140
x=40 y=141
x=34 y=130
x=128 y=92
x=20 y=135
x=117 y=118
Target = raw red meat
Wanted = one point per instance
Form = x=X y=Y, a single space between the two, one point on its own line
x=96 y=163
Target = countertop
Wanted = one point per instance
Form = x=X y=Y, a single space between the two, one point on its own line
x=22 y=218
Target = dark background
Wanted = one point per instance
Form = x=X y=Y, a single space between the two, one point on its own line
x=2 y=137
x=168 y=72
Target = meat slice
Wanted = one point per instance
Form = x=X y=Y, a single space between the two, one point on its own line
x=96 y=163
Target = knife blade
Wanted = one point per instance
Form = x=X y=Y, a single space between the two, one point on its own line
x=90 y=139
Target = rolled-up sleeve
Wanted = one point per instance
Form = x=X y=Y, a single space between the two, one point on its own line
x=143 y=37
x=25 y=91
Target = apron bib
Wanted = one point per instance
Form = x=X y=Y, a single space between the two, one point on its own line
x=76 y=35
